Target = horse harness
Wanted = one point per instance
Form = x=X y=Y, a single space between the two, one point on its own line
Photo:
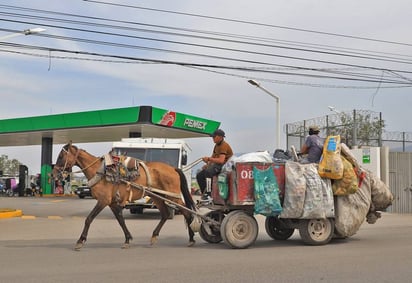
x=120 y=169
x=123 y=169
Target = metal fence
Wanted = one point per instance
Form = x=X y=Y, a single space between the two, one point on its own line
x=397 y=141
x=400 y=181
x=356 y=128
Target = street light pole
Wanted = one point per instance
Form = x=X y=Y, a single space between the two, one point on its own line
x=24 y=32
x=256 y=84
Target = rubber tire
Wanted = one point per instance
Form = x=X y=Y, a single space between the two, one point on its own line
x=172 y=212
x=274 y=231
x=239 y=230
x=216 y=237
x=136 y=210
x=316 y=232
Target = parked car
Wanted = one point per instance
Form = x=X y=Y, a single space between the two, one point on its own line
x=83 y=191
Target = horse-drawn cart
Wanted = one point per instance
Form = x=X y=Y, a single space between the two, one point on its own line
x=238 y=227
x=296 y=197
x=296 y=201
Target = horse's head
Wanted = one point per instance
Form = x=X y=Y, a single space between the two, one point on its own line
x=65 y=161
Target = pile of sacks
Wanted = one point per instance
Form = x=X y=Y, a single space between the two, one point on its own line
x=372 y=196
x=336 y=187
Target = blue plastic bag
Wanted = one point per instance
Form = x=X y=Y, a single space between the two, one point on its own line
x=267 y=200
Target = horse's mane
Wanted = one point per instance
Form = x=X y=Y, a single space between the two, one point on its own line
x=66 y=147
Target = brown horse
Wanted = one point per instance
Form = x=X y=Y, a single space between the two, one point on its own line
x=115 y=194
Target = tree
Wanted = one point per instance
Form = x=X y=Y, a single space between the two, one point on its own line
x=360 y=128
x=9 y=167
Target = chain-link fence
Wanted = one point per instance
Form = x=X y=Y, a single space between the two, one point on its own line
x=356 y=128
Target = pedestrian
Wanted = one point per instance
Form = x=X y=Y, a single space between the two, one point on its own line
x=214 y=163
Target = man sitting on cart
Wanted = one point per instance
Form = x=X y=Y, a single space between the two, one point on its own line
x=221 y=154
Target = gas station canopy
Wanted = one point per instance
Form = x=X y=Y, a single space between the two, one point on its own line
x=98 y=126
x=104 y=126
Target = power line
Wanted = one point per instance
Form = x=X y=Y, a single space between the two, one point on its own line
x=339 y=74
x=353 y=55
x=181 y=63
x=350 y=51
x=193 y=45
x=247 y=22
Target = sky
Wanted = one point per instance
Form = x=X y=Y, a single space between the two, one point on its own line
x=196 y=57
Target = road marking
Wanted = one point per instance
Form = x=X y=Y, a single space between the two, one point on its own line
x=54 y=217
x=28 y=217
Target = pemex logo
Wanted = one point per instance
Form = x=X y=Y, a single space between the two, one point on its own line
x=168 y=119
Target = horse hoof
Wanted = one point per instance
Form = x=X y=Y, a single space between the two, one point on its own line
x=153 y=241
x=125 y=246
x=191 y=243
x=78 y=246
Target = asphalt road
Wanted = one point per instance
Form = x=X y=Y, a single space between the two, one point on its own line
x=38 y=247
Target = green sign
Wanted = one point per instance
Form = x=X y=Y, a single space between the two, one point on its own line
x=183 y=121
x=366 y=159
x=366 y=156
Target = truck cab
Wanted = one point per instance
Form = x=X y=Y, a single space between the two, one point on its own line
x=171 y=151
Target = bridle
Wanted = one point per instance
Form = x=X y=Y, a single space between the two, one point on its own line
x=63 y=171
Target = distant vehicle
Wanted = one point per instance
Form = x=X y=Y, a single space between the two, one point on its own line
x=10 y=186
x=83 y=191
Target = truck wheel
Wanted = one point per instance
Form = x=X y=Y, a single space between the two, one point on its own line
x=316 y=232
x=239 y=229
x=215 y=236
x=172 y=212
x=276 y=230
x=136 y=210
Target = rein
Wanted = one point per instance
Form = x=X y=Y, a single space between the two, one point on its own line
x=88 y=166
x=67 y=164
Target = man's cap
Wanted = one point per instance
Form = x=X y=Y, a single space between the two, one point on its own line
x=218 y=132
x=314 y=128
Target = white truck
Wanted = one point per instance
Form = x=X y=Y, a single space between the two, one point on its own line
x=171 y=151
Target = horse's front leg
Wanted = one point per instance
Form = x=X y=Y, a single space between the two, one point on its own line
x=118 y=213
x=89 y=219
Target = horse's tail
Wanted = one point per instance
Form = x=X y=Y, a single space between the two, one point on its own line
x=184 y=188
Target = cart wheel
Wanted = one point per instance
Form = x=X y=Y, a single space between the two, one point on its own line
x=215 y=237
x=276 y=230
x=316 y=232
x=239 y=229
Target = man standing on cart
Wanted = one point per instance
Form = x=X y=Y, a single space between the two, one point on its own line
x=221 y=153
x=313 y=146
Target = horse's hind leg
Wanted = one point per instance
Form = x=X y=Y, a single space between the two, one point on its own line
x=89 y=219
x=164 y=214
x=189 y=218
x=118 y=213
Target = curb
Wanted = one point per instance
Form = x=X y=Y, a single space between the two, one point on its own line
x=8 y=213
